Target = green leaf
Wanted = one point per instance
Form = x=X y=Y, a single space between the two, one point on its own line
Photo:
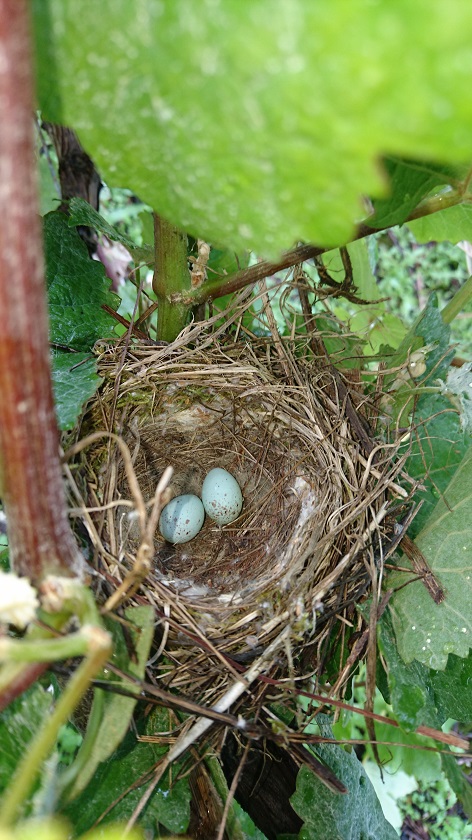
x=411 y=692
x=356 y=815
x=459 y=389
x=344 y=350
x=77 y=288
x=74 y=381
x=424 y=630
x=115 y=778
x=436 y=450
x=242 y=124
x=19 y=723
x=429 y=331
x=4 y=559
x=48 y=195
x=118 y=709
x=247 y=825
x=361 y=268
x=459 y=782
x=226 y=262
x=410 y=181
x=407 y=753
x=432 y=335
x=370 y=322
x=421 y=696
x=49 y=828
x=452 y=688
x=453 y=223
x=82 y=213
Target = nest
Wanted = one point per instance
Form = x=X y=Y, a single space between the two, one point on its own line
x=319 y=502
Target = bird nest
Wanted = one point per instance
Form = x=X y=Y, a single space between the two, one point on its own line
x=284 y=580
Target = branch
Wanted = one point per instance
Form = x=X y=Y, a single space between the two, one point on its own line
x=33 y=495
x=217 y=287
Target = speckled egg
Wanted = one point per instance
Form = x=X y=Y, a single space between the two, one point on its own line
x=221 y=496
x=182 y=519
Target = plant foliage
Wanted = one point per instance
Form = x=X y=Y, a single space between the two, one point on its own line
x=245 y=127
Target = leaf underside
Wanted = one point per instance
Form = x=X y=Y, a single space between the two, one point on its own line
x=244 y=126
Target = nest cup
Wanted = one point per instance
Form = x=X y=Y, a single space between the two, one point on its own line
x=226 y=416
x=302 y=549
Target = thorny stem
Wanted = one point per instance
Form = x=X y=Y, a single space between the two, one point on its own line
x=40 y=537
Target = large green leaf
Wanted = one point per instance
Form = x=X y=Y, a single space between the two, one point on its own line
x=410 y=182
x=75 y=381
x=411 y=693
x=356 y=815
x=258 y=124
x=453 y=223
x=421 y=696
x=452 y=688
x=436 y=450
x=424 y=630
x=114 y=782
x=77 y=288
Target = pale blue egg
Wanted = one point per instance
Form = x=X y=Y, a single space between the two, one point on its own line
x=182 y=519
x=221 y=496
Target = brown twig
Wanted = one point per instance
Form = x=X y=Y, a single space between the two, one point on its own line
x=420 y=566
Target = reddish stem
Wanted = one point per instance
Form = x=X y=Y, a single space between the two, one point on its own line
x=29 y=674
x=30 y=472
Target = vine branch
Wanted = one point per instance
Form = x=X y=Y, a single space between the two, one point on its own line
x=40 y=537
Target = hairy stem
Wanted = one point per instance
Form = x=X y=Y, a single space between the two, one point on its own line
x=30 y=473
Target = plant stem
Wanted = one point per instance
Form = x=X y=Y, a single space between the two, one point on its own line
x=458 y=302
x=48 y=650
x=16 y=674
x=439 y=202
x=40 y=537
x=171 y=277
x=217 y=287
x=99 y=644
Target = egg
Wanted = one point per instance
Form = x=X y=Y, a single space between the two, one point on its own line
x=221 y=496
x=182 y=519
